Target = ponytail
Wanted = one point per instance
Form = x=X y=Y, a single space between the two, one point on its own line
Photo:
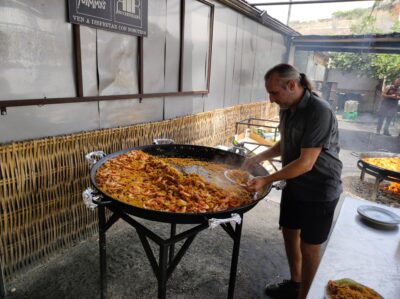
x=305 y=82
x=288 y=72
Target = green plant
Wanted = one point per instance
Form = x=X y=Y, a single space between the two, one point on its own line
x=378 y=66
x=351 y=14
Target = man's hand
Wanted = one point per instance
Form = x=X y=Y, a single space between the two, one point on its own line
x=256 y=184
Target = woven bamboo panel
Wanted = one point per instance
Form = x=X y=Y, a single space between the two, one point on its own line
x=41 y=181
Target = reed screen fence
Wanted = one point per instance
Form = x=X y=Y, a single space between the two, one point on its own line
x=41 y=181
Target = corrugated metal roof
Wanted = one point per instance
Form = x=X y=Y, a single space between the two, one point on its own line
x=259 y=16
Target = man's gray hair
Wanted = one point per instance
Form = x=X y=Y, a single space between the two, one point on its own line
x=288 y=72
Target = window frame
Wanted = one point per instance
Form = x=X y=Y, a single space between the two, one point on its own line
x=79 y=79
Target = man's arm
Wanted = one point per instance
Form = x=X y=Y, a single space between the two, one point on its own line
x=389 y=96
x=303 y=164
x=272 y=152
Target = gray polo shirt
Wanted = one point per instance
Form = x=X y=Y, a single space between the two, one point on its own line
x=312 y=124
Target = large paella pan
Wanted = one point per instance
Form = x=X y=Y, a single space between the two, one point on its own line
x=189 y=153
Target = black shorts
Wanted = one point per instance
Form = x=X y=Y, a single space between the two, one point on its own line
x=314 y=219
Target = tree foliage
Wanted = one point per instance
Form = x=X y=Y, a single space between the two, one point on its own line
x=378 y=66
x=396 y=26
x=350 y=14
x=365 y=26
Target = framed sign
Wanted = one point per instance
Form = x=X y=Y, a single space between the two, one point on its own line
x=125 y=16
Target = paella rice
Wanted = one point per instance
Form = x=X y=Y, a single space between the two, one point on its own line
x=140 y=179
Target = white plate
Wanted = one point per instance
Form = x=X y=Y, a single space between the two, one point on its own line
x=232 y=181
x=255 y=194
x=378 y=215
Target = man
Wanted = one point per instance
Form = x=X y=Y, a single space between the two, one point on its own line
x=311 y=167
x=388 y=108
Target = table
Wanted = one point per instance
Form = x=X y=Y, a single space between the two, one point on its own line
x=365 y=253
x=271 y=124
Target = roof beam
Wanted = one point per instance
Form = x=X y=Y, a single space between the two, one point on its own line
x=258 y=16
x=379 y=50
x=379 y=43
x=303 y=2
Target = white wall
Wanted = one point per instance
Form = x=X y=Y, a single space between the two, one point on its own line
x=36 y=61
x=351 y=81
x=307 y=63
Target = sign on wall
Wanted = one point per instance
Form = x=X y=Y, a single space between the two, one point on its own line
x=126 y=16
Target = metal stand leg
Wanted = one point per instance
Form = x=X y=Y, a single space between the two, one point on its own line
x=172 y=246
x=162 y=274
x=167 y=261
x=102 y=246
x=362 y=175
x=235 y=258
x=378 y=180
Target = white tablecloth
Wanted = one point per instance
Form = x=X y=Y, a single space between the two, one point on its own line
x=367 y=254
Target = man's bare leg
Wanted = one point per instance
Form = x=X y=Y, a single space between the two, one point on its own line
x=293 y=252
x=310 y=260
